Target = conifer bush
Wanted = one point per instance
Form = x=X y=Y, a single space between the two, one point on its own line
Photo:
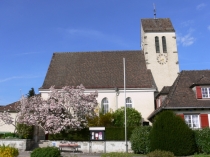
x=171 y=133
x=140 y=142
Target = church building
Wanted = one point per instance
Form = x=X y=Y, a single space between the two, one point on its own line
x=147 y=70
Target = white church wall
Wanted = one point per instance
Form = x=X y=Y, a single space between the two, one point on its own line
x=8 y=128
x=142 y=99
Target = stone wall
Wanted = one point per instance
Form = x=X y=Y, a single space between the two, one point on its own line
x=21 y=144
x=93 y=146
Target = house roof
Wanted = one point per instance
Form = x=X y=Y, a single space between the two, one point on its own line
x=98 y=70
x=157 y=25
x=10 y=107
x=181 y=95
x=165 y=90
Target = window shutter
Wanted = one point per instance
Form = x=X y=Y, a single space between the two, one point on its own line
x=198 y=92
x=181 y=115
x=204 y=120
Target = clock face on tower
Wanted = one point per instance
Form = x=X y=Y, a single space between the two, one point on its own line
x=162 y=59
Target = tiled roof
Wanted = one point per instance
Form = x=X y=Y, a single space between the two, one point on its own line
x=165 y=90
x=157 y=25
x=10 y=107
x=98 y=70
x=181 y=94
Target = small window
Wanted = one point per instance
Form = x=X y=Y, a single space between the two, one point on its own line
x=157 y=47
x=205 y=92
x=192 y=121
x=128 y=102
x=164 y=44
x=105 y=105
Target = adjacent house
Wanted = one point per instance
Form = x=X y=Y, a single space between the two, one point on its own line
x=188 y=97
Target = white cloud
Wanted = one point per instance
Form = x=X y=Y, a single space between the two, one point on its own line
x=93 y=34
x=26 y=53
x=208 y=27
x=17 y=77
x=187 y=23
x=200 y=6
x=186 y=40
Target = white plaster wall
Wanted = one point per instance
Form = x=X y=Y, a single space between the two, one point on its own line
x=8 y=128
x=164 y=75
x=142 y=99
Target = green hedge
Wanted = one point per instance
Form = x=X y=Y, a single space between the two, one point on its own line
x=111 y=134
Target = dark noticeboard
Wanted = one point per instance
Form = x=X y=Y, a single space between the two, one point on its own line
x=97 y=133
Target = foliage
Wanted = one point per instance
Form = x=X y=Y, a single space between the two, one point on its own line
x=159 y=153
x=133 y=117
x=117 y=154
x=202 y=138
x=171 y=133
x=64 y=109
x=140 y=142
x=24 y=131
x=10 y=135
x=7 y=151
x=31 y=93
x=46 y=152
x=101 y=120
x=79 y=135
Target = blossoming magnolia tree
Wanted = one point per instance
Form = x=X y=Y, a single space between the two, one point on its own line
x=66 y=108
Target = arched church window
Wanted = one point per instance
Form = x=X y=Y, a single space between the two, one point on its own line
x=164 y=44
x=157 y=47
x=128 y=102
x=105 y=105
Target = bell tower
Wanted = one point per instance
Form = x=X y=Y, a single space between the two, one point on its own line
x=158 y=42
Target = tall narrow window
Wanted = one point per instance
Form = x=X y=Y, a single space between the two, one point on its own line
x=157 y=47
x=128 y=102
x=164 y=44
x=105 y=105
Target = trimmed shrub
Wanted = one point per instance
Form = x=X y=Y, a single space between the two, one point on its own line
x=159 y=153
x=140 y=142
x=46 y=152
x=7 y=151
x=171 y=133
x=202 y=138
x=133 y=117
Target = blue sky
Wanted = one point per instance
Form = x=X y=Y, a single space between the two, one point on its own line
x=31 y=30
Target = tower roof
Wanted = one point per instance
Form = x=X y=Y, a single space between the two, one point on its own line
x=157 y=25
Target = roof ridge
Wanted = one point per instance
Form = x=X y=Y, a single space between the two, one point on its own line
x=108 y=51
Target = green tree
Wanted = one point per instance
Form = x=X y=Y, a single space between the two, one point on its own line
x=31 y=93
x=105 y=120
x=171 y=133
x=133 y=117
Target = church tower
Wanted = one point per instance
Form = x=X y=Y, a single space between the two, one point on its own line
x=158 y=42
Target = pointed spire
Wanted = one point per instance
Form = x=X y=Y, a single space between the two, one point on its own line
x=154 y=11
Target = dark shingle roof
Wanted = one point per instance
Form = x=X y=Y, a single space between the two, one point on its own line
x=157 y=25
x=98 y=70
x=181 y=94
